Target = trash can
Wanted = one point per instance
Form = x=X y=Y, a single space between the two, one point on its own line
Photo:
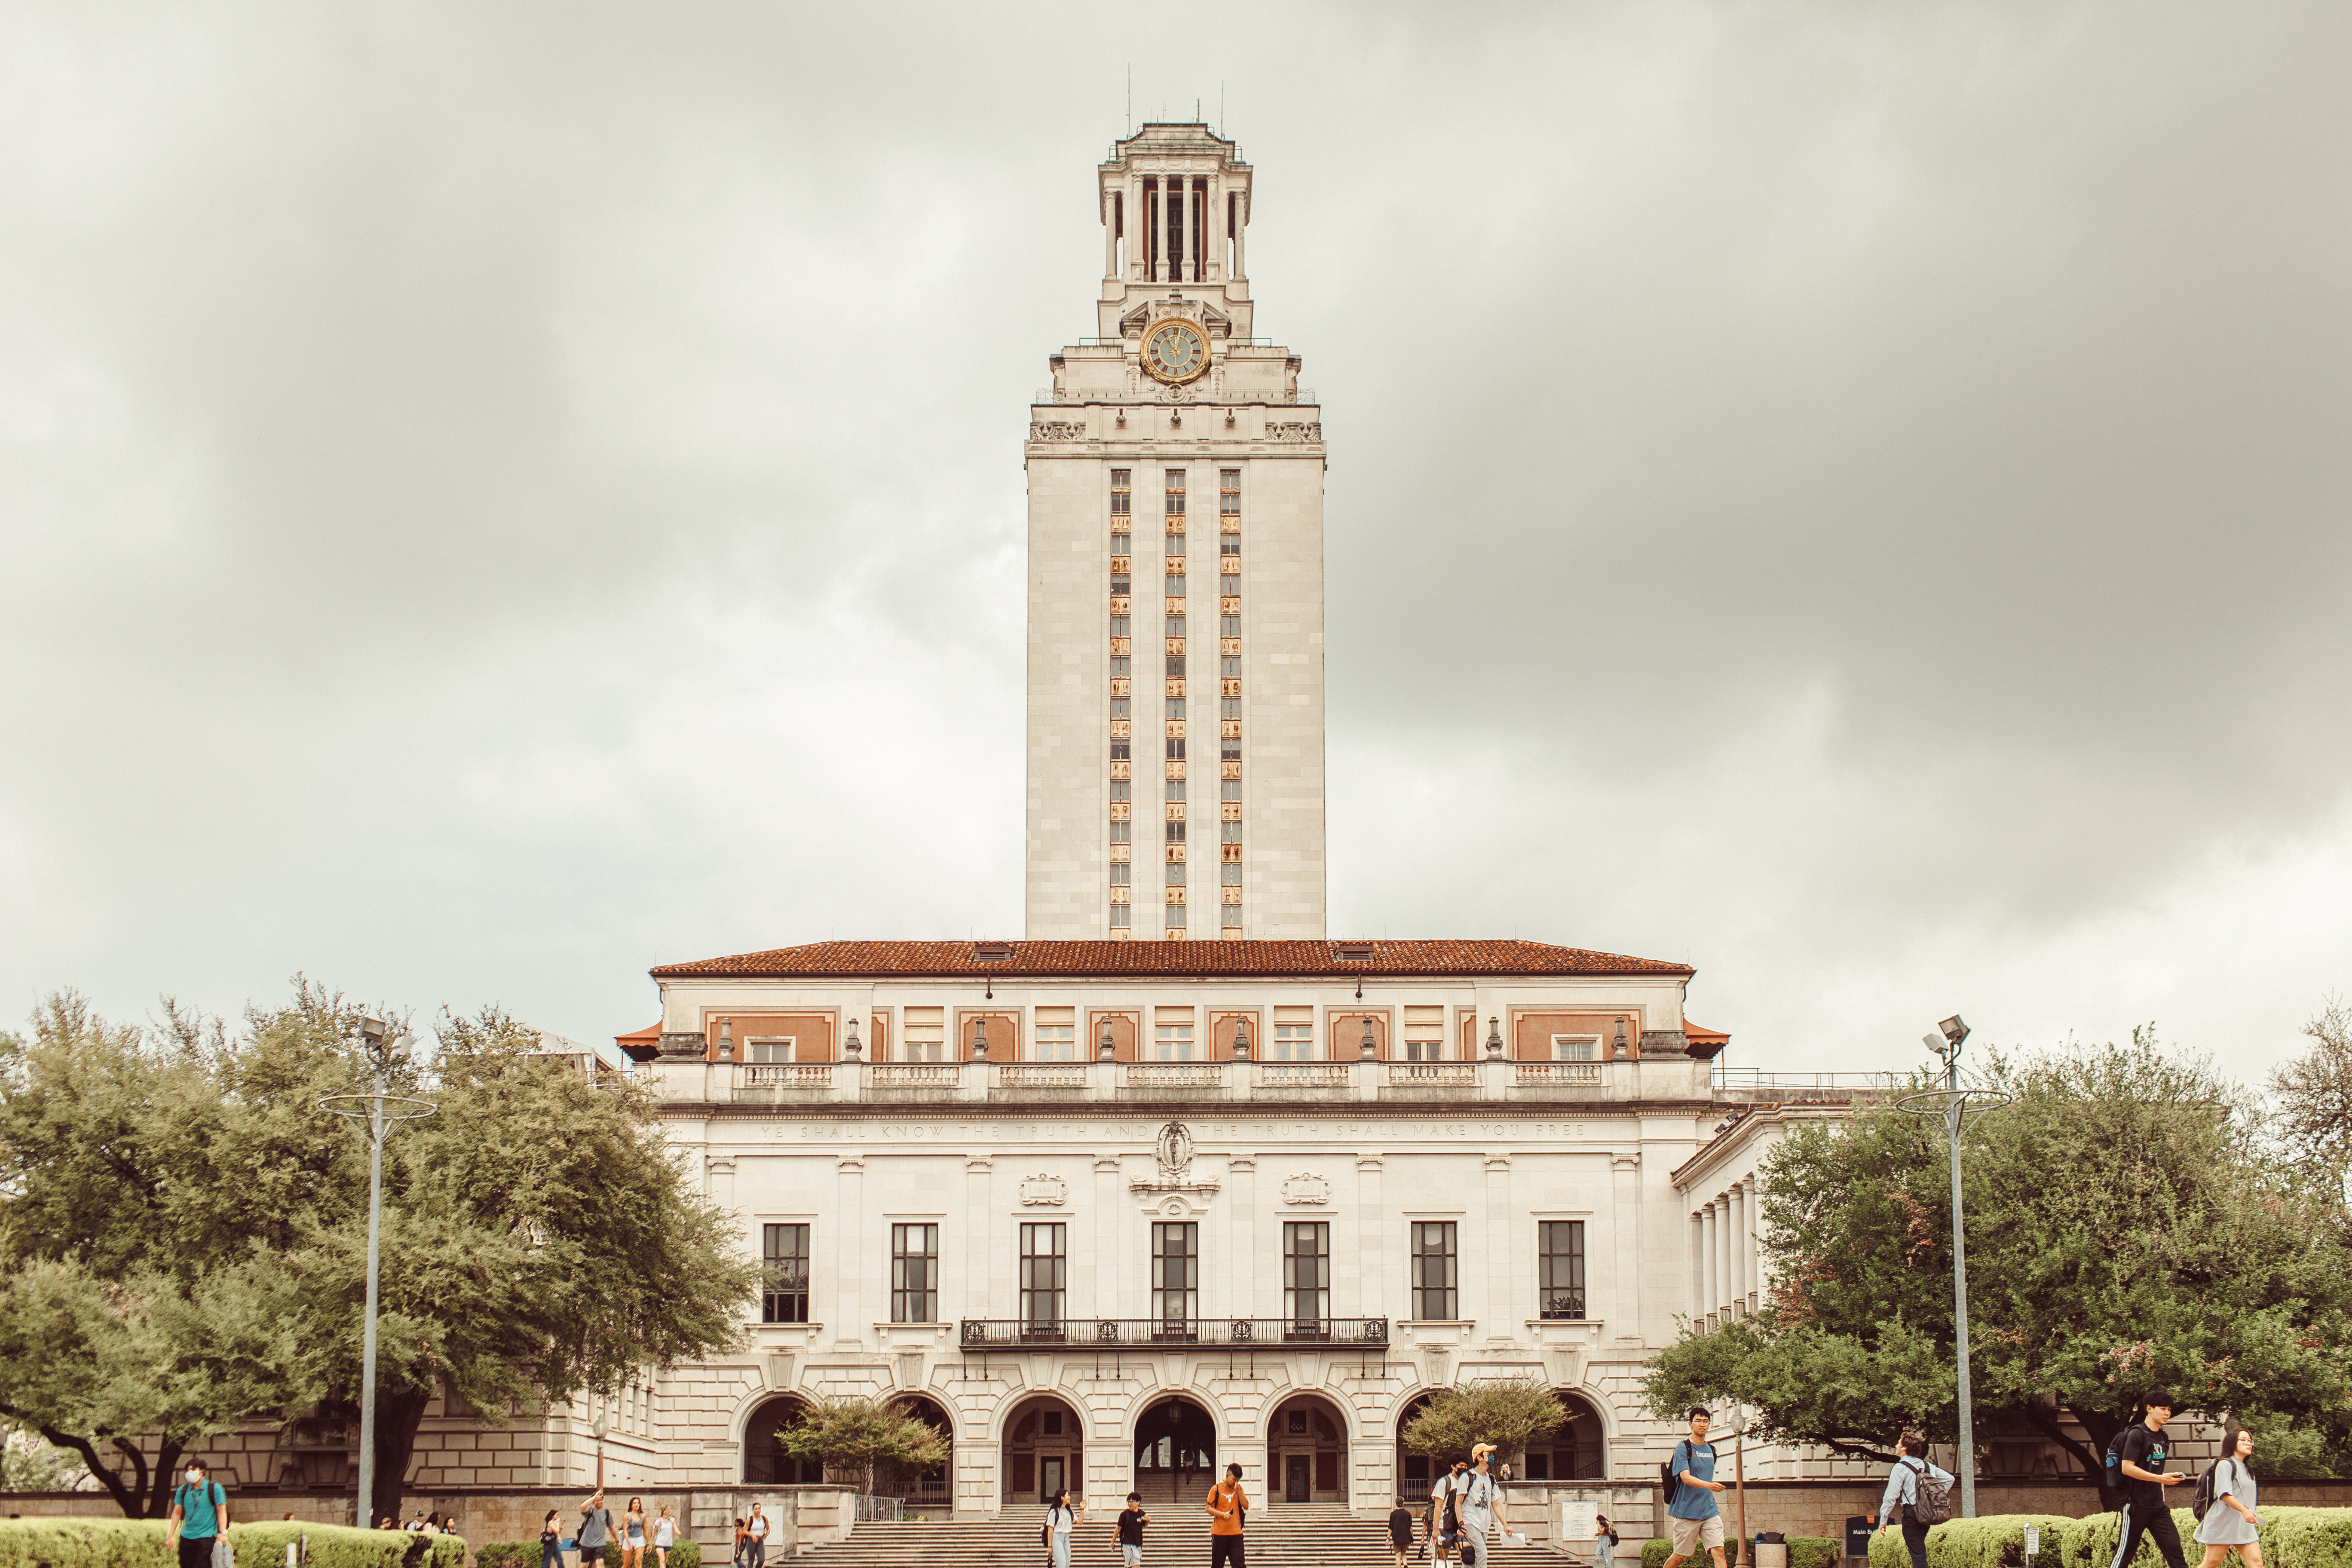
x=1771 y=1550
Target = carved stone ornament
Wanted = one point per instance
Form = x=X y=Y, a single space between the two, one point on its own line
x=1044 y=1192
x=1306 y=1188
x=1175 y=1151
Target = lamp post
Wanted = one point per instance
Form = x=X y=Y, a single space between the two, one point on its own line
x=598 y=1428
x=1949 y=1105
x=377 y=1113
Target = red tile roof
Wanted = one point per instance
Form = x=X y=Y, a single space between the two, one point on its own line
x=1220 y=959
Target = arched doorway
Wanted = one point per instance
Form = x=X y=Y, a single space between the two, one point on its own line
x=1573 y=1453
x=765 y=1462
x=1307 y=1451
x=1175 y=1450
x=921 y=1488
x=1045 y=1451
x=1416 y=1473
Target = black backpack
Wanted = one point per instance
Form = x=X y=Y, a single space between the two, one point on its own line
x=2200 y=1503
x=1667 y=1471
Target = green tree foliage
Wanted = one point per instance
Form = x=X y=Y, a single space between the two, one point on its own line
x=1509 y=1412
x=859 y=1434
x=2313 y=1099
x=184 y=1231
x=2125 y=1232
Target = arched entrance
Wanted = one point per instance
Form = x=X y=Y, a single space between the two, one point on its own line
x=921 y=1488
x=1416 y=1473
x=765 y=1462
x=1573 y=1453
x=1175 y=1450
x=1045 y=1451
x=1307 y=1451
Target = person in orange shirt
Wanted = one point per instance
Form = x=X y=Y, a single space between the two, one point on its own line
x=1228 y=1507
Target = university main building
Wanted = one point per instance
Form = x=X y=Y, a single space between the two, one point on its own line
x=1179 y=1180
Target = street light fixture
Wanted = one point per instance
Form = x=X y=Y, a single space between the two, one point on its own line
x=377 y=1113
x=1949 y=1105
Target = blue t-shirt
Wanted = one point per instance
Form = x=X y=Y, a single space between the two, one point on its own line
x=1690 y=1502
x=198 y=1516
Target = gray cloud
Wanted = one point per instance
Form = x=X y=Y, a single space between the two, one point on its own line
x=1853 y=498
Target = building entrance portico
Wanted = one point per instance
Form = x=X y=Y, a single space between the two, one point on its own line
x=1175 y=1450
x=1044 y=1451
x=1305 y=1445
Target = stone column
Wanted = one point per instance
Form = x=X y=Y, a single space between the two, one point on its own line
x=977 y=1296
x=1100 y=1296
x=1499 y=1313
x=1241 y=235
x=1133 y=220
x=1245 y=1291
x=1110 y=233
x=1737 y=1200
x=1624 y=1303
x=1376 y=1295
x=1710 y=1274
x=1216 y=231
x=1697 y=1285
x=850 y=1250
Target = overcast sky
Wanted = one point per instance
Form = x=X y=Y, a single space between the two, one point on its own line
x=1850 y=496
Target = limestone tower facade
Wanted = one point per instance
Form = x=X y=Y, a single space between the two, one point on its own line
x=1175 y=576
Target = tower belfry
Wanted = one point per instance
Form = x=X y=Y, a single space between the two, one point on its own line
x=1175 y=715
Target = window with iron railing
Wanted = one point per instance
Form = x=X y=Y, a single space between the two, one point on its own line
x=1559 y=1267
x=785 y=1274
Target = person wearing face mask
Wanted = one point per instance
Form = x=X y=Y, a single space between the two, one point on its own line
x=199 y=1516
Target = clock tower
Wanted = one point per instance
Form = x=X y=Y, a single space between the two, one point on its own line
x=1175 y=713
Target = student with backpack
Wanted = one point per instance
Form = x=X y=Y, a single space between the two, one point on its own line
x=1131 y=1520
x=1918 y=1494
x=2140 y=1458
x=199 y=1516
x=1401 y=1534
x=1060 y=1520
x=1604 y=1544
x=2225 y=1505
x=1691 y=1511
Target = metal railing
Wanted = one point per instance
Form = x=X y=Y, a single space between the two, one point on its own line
x=1147 y=1334
x=1562 y=1304
x=867 y=1508
x=1754 y=1084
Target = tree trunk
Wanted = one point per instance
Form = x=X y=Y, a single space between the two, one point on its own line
x=399 y=1411
x=2102 y=1428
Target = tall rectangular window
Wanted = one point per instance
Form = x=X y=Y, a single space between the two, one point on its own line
x=785 y=1274
x=1122 y=492
x=1175 y=1274
x=914 y=1274
x=1044 y=1277
x=1435 y=1298
x=1306 y=1275
x=1559 y=1267
x=1294 y=1033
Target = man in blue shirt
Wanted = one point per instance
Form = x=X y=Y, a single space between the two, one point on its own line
x=1911 y=1462
x=199 y=1516
x=1693 y=1517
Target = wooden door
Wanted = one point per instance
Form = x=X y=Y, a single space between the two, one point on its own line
x=1297 y=1483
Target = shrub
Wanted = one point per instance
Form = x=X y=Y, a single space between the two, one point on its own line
x=506 y=1554
x=1814 y=1552
x=84 y=1543
x=1655 y=1552
x=685 y=1554
x=340 y=1546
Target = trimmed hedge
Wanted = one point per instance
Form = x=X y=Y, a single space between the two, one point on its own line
x=85 y=1542
x=145 y=1544
x=1994 y=1541
x=1804 y=1552
x=2291 y=1538
x=526 y=1554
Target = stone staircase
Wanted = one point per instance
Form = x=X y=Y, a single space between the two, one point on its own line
x=1290 y=1535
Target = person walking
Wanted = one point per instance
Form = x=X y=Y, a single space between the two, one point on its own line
x=2231 y=1523
x=632 y=1534
x=1475 y=1501
x=665 y=1537
x=1061 y=1518
x=1695 y=1518
x=1228 y=1507
x=1401 y=1534
x=1604 y=1544
x=755 y=1539
x=595 y=1528
x=199 y=1516
x=1902 y=1478
x=2145 y=1479
x=551 y=1542
x=743 y=1542
x=1446 y=1523
x=1131 y=1520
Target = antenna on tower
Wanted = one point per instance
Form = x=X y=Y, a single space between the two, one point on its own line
x=1130 y=98
x=1221 y=109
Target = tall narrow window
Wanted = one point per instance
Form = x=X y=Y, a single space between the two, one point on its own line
x=1306 y=1276
x=1559 y=1267
x=1122 y=720
x=785 y=1274
x=1434 y=1294
x=914 y=1274
x=1175 y=1275
x=1045 y=1277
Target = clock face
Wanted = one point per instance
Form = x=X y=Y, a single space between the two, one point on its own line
x=1175 y=351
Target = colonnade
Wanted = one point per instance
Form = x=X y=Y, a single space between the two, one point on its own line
x=1149 y=204
x=1727 y=1267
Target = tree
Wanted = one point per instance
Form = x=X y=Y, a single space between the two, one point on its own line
x=1509 y=1412
x=2313 y=1100
x=858 y=1434
x=2125 y=1231
x=538 y=1241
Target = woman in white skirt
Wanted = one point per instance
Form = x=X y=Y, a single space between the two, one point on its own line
x=2230 y=1525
